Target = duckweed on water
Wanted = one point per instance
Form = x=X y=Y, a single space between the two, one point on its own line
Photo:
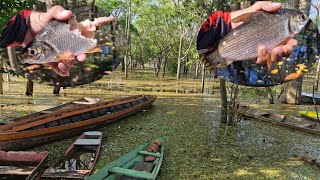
x=197 y=146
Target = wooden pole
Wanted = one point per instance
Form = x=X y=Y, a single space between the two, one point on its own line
x=1 y=78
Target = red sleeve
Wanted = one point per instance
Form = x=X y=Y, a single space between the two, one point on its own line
x=15 y=30
x=212 y=30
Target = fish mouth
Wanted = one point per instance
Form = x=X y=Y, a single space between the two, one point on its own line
x=20 y=57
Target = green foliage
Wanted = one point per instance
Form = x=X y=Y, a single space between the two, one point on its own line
x=11 y=72
x=9 y=8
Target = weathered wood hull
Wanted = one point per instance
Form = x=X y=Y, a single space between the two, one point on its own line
x=282 y=120
x=310 y=98
x=71 y=104
x=47 y=128
x=87 y=143
x=21 y=165
x=125 y=166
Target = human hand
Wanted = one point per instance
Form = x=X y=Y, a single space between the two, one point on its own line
x=37 y=22
x=279 y=51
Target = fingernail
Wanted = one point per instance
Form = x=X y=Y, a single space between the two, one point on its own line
x=65 y=13
x=276 y=5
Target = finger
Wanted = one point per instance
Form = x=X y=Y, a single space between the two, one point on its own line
x=276 y=53
x=81 y=57
x=103 y=20
x=262 y=54
x=69 y=63
x=57 y=70
x=268 y=6
x=293 y=42
x=63 y=66
x=287 y=49
x=57 y=12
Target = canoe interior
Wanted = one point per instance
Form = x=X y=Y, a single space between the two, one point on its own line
x=293 y=122
x=45 y=128
x=73 y=115
x=131 y=166
x=20 y=164
x=67 y=105
x=79 y=159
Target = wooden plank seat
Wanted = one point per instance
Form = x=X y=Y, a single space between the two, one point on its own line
x=87 y=142
x=132 y=173
x=16 y=170
x=139 y=166
x=93 y=133
x=75 y=174
x=149 y=153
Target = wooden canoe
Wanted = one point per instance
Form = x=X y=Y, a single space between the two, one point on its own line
x=311 y=115
x=79 y=159
x=134 y=165
x=76 y=103
x=38 y=130
x=310 y=98
x=292 y=122
x=21 y=165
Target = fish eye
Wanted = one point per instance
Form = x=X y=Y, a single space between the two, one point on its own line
x=303 y=17
x=33 y=52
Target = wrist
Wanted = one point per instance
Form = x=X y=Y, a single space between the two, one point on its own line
x=35 y=23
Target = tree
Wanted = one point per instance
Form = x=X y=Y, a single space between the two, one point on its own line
x=292 y=89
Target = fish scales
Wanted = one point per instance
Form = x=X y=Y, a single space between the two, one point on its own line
x=262 y=29
x=52 y=41
x=62 y=39
x=245 y=45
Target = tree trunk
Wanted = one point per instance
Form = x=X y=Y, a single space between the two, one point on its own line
x=224 y=102
x=127 y=38
x=203 y=77
x=13 y=59
x=292 y=92
x=158 y=66
x=197 y=70
x=292 y=89
x=1 y=75
x=164 y=66
x=318 y=76
x=179 y=55
x=29 y=88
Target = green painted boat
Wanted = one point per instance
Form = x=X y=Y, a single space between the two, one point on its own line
x=311 y=115
x=133 y=165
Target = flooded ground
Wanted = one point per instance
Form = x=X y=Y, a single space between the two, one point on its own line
x=197 y=146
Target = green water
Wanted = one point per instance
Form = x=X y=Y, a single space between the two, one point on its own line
x=197 y=146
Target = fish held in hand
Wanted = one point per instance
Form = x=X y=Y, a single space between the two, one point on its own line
x=260 y=29
x=56 y=42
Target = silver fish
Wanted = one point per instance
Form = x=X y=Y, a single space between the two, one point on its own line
x=259 y=29
x=52 y=41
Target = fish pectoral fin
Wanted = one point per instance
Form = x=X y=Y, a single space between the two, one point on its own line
x=242 y=18
x=284 y=41
x=66 y=56
x=93 y=50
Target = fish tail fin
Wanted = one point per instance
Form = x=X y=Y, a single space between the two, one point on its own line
x=214 y=60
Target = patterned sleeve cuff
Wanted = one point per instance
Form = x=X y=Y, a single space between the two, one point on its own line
x=212 y=30
x=15 y=30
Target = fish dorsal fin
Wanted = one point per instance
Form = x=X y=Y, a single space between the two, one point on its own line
x=242 y=18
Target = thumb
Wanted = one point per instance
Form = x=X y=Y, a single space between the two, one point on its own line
x=268 y=6
x=57 y=12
